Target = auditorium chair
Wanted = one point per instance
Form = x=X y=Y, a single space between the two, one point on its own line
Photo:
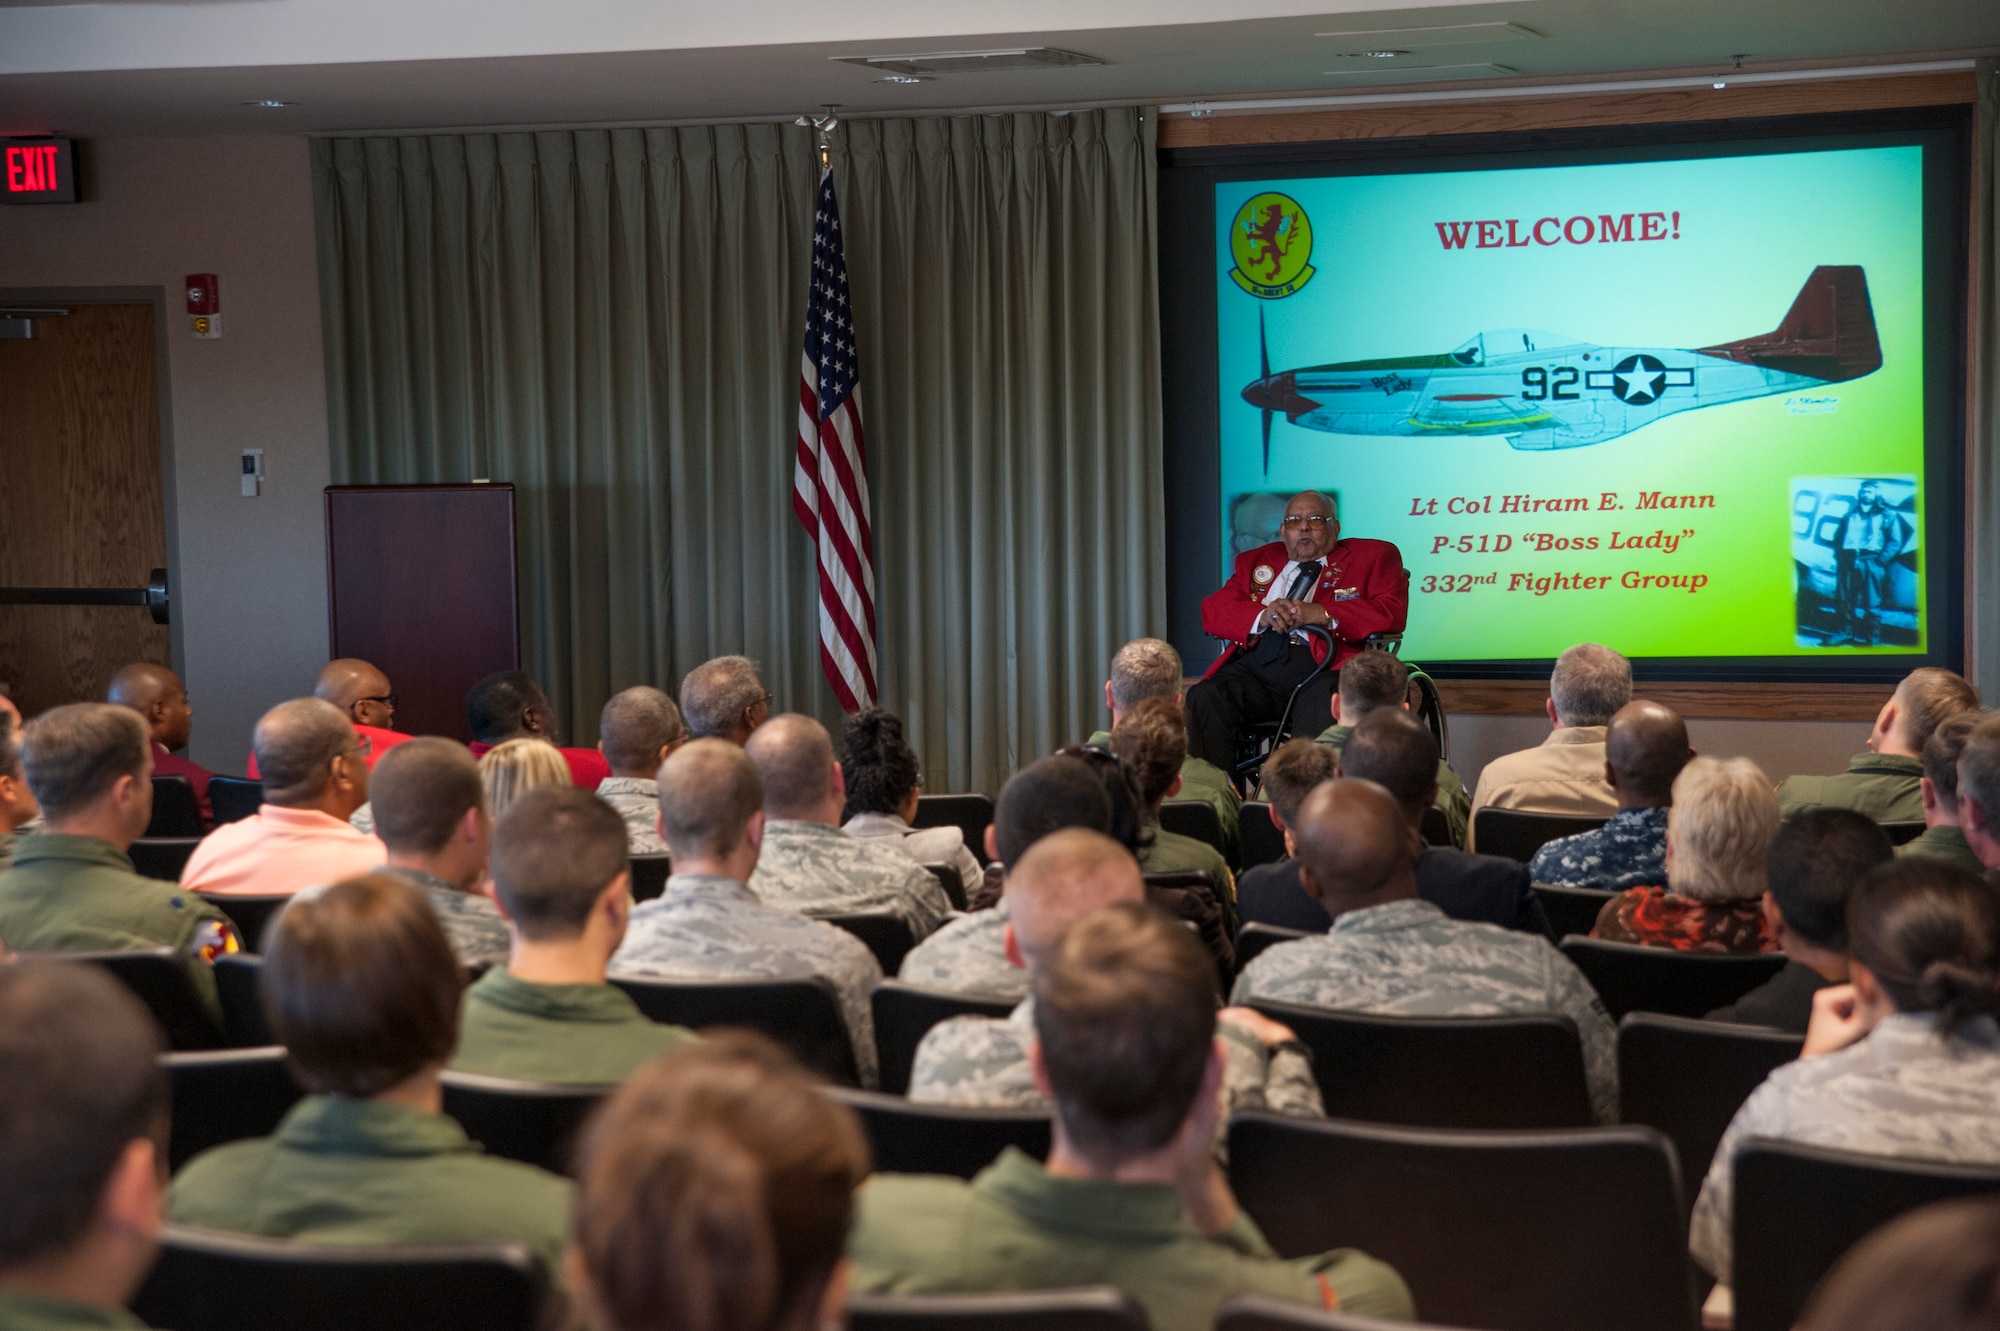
x=1261 y=1312
x=649 y=875
x=239 y=980
x=1902 y=833
x=948 y=880
x=802 y=1014
x=207 y=1280
x=1688 y=1078
x=535 y=1122
x=1436 y=828
x=1797 y=1208
x=158 y=977
x=1194 y=818
x=906 y=1137
x=1262 y=842
x=252 y=915
x=887 y=936
x=1518 y=835
x=176 y=811
x=1089 y=1308
x=1571 y=910
x=1506 y=1231
x=226 y=1095
x=232 y=798
x=905 y=1013
x=1443 y=1072
x=162 y=857
x=1254 y=937
x=1631 y=977
x=970 y=814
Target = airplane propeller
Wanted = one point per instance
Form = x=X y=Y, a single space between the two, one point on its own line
x=1264 y=372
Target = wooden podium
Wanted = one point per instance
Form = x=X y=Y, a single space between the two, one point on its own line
x=421 y=582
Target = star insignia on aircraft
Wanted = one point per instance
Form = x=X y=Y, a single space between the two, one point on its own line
x=1638 y=380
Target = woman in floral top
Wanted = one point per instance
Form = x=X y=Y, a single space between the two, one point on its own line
x=1724 y=815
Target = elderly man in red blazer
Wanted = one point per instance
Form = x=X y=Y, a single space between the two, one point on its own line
x=1351 y=588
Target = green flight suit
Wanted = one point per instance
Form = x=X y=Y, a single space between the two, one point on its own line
x=34 y=1312
x=1203 y=780
x=1016 y=1227
x=1943 y=843
x=1451 y=796
x=1880 y=785
x=364 y=1171
x=579 y=1033
x=79 y=894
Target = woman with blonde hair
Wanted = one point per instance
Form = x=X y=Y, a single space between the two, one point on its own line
x=1719 y=830
x=512 y=769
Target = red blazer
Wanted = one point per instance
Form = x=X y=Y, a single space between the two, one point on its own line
x=1365 y=588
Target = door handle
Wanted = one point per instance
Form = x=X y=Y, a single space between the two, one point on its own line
x=153 y=596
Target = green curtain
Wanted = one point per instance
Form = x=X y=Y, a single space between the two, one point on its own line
x=612 y=320
x=1982 y=630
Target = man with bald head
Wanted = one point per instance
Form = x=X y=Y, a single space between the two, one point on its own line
x=1308 y=578
x=1064 y=876
x=808 y=864
x=158 y=696
x=314 y=779
x=1392 y=953
x=365 y=697
x=1645 y=747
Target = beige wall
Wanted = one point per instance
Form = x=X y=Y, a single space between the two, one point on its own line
x=250 y=601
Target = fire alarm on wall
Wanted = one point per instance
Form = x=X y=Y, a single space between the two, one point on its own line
x=204 y=303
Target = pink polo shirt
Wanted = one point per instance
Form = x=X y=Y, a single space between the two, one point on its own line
x=278 y=851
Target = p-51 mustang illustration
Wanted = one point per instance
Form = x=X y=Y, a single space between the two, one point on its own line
x=1544 y=390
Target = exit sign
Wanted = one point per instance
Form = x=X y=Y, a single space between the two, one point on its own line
x=37 y=171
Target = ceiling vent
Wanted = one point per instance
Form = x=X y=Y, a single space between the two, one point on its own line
x=1357 y=40
x=971 y=62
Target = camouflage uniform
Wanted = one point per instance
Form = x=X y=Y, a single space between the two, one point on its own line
x=1451 y=800
x=1942 y=843
x=813 y=869
x=475 y=926
x=925 y=845
x=1880 y=785
x=1202 y=780
x=968 y=956
x=1628 y=851
x=1901 y=1092
x=1408 y=959
x=638 y=803
x=706 y=927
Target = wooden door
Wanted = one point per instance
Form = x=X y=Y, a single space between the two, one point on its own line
x=80 y=499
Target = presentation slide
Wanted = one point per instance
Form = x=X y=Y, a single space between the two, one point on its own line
x=1673 y=406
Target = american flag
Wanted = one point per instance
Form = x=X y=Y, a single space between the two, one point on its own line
x=830 y=484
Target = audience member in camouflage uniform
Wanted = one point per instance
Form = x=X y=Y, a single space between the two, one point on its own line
x=430 y=811
x=979 y=1061
x=1645 y=747
x=636 y=731
x=1905 y=1061
x=17 y=802
x=1149 y=668
x=1943 y=836
x=968 y=956
x=1131 y=1194
x=1391 y=953
x=708 y=924
x=1884 y=783
x=883 y=782
x=808 y=864
x=1370 y=682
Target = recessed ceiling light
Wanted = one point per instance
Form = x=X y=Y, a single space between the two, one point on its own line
x=1378 y=55
x=903 y=78
x=269 y=104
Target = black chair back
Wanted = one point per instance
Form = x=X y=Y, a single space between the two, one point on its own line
x=802 y=1014
x=535 y=1122
x=176 y=811
x=1261 y=841
x=233 y=797
x=905 y=1013
x=1902 y=833
x=948 y=879
x=1254 y=937
x=1688 y=1078
x=162 y=857
x=1518 y=835
x=239 y=981
x=226 y=1095
x=906 y=1137
x=1571 y=910
x=1090 y=1308
x=1798 y=1208
x=1507 y=1231
x=887 y=936
x=970 y=814
x=1436 y=829
x=1444 y=1072
x=1261 y=1312
x=158 y=977
x=252 y=915
x=1632 y=978
x=211 y=1281
x=649 y=875
x=1185 y=880
x=1194 y=818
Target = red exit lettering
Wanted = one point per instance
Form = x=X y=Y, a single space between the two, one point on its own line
x=32 y=169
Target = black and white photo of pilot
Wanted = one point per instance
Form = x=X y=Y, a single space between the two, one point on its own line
x=1854 y=544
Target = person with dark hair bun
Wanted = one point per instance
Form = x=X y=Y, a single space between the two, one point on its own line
x=883 y=782
x=1904 y=1059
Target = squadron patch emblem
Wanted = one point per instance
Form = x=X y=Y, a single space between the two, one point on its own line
x=1271 y=241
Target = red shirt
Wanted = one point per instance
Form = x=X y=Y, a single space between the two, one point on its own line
x=170 y=764
x=587 y=767
x=1364 y=588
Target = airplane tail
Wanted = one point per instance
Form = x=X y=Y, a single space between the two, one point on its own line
x=1828 y=334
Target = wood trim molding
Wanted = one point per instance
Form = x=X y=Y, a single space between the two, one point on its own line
x=1663 y=106
x=1744 y=702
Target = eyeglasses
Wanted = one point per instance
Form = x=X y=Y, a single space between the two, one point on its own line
x=1315 y=522
x=387 y=700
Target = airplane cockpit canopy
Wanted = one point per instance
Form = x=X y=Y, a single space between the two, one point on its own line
x=1509 y=342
